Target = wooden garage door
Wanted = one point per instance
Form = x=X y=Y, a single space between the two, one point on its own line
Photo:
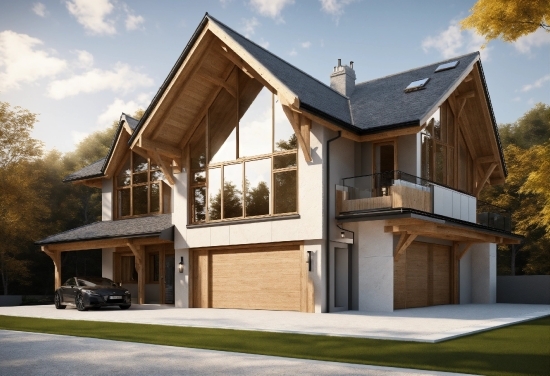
x=252 y=278
x=422 y=276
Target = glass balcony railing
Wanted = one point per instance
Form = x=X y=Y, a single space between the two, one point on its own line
x=397 y=189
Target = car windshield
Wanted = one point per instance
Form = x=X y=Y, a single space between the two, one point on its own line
x=92 y=282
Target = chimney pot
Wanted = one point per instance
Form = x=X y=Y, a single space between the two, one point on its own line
x=339 y=63
x=351 y=64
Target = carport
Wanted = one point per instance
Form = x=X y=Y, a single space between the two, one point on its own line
x=135 y=234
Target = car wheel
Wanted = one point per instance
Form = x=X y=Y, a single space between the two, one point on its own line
x=79 y=301
x=57 y=301
x=125 y=306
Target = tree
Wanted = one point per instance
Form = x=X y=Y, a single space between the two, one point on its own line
x=22 y=209
x=507 y=19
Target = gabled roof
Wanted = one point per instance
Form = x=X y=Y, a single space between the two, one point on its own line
x=383 y=102
x=88 y=172
x=124 y=228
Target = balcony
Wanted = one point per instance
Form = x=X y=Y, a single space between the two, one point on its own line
x=399 y=190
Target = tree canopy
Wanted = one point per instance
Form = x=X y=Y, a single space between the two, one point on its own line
x=508 y=20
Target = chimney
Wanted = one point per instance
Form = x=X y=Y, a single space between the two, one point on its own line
x=342 y=78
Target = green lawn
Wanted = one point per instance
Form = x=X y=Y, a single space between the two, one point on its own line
x=522 y=349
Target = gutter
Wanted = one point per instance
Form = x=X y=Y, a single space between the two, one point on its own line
x=327 y=222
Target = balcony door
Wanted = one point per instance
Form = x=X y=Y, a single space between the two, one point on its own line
x=385 y=161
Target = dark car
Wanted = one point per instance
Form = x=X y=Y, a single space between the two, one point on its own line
x=91 y=292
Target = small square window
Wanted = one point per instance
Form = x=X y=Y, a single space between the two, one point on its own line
x=417 y=85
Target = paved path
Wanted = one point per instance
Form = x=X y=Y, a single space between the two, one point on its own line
x=429 y=324
x=47 y=354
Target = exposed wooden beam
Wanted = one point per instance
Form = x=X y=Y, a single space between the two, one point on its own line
x=294 y=119
x=163 y=149
x=466 y=95
x=219 y=82
x=461 y=107
x=102 y=243
x=404 y=241
x=462 y=252
x=485 y=178
x=486 y=159
x=56 y=258
x=139 y=255
x=165 y=167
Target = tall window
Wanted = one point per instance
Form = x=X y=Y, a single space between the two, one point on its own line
x=438 y=143
x=140 y=189
x=243 y=156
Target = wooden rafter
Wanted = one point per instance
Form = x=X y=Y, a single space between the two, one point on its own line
x=220 y=82
x=404 y=241
x=485 y=178
x=101 y=243
x=163 y=149
x=164 y=166
x=462 y=252
x=299 y=127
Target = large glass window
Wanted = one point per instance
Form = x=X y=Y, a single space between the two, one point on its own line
x=140 y=189
x=243 y=156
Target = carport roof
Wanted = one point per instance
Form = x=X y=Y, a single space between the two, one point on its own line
x=159 y=225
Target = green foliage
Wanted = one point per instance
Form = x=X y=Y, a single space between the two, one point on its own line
x=526 y=191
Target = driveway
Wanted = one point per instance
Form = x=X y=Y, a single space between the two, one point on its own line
x=428 y=324
x=47 y=354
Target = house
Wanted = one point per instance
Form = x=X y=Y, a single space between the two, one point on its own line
x=249 y=184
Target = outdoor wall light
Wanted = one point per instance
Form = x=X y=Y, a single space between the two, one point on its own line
x=180 y=266
x=342 y=235
x=309 y=260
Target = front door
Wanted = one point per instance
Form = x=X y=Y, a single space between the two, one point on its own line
x=169 y=270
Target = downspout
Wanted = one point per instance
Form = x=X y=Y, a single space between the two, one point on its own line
x=327 y=245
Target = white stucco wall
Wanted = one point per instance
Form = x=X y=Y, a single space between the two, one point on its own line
x=181 y=280
x=375 y=269
x=484 y=273
x=107 y=200
x=107 y=263
x=466 y=278
x=407 y=154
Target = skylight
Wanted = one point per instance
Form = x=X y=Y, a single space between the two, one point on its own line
x=417 y=85
x=445 y=66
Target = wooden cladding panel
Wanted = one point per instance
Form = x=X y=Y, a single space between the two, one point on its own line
x=366 y=203
x=422 y=276
x=408 y=197
x=441 y=283
x=417 y=276
x=254 y=277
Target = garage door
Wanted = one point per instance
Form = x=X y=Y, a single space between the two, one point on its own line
x=422 y=276
x=251 y=278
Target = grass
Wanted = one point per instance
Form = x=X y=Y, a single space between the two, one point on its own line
x=522 y=349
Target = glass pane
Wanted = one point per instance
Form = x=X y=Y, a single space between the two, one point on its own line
x=157 y=175
x=285 y=192
x=155 y=198
x=123 y=177
x=214 y=194
x=232 y=191
x=199 y=177
x=435 y=123
x=258 y=187
x=198 y=147
x=154 y=166
x=140 y=199
x=140 y=163
x=123 y=202
x=285 y=139
x=426 y=156
x=223 y=128
x=284 y=161
x=199 y=204
x=440 y=164
x=255 y=130
x=140 y=178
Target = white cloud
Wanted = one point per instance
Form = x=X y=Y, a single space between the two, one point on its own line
x=21 y=62
x=133 y=22
x=293 y=52
x=270 y=8
x=122 y=79
x=453 y=41
x=334 y=7
x=39 y=9
x=516 y=99
x=538 y=83
x=249 y=26
x=306 y=44
x=85 y=59
x=113 y=111
x=78 y=137
x=225 y=2
x=536 y=39
x=92 y=15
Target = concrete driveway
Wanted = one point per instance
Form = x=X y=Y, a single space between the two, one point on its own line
x=47 y=354
x=429 y=324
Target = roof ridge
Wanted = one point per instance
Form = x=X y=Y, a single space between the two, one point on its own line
x=417 y=68
x=277 y=57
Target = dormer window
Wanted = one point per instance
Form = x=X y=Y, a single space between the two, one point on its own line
x=140 y=189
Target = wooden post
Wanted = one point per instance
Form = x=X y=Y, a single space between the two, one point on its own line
x=138 y=252
x=56 y=258
x=162 y=281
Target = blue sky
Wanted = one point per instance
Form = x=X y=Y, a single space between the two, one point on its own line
x=80 y=63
